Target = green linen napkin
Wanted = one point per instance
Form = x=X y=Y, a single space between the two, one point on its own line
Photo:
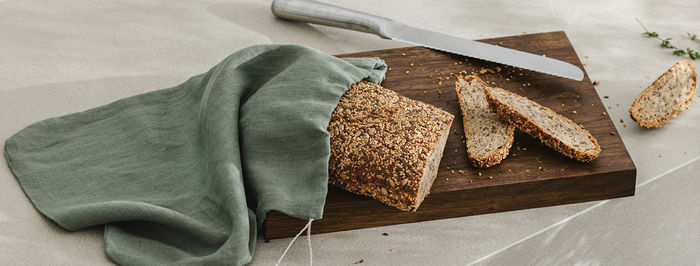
x=185 y=175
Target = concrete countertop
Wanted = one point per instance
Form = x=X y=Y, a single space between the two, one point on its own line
x=60 y=57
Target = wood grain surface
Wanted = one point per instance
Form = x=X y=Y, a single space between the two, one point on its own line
x=531 y=176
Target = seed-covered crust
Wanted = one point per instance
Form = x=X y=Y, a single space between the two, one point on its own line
x=497 y=155
x=635 y=112
x=510 y=115
x=381 y=143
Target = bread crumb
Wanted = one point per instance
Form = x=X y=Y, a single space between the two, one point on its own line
x=482 y=71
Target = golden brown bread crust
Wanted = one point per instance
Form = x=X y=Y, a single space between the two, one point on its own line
x=381 y=142
x=495 y=157
x=508 y=114
x=658 y=81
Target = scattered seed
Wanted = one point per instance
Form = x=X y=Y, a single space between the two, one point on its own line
x=479 y=173
x=403 y=53
x=586 y=57
x=425 y=92
x=606 y=97
x=524 y=149
x=389 y=69
x=407 y=71
x=574 y=111
x=622 y=121
x=461 y=171
x=411 y=64
x=595 y=83
x=612 y=133
x=453 y=171
x=490 y=177
x=430 y=75
x=659 y=155
x=385 y=234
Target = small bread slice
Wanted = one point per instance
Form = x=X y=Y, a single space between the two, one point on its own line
x=488 y=138
x=670 y=94
x=552 y=129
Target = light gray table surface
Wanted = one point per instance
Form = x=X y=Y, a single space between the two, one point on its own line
x=59 y=57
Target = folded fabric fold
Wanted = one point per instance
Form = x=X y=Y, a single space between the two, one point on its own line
x=186 y=175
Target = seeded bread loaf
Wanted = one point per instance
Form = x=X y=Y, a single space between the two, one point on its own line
x=669 y=95
x=554 y=130
x=385 y=145
x=488 y=139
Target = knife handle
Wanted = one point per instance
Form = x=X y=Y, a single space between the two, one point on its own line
x=329 y=15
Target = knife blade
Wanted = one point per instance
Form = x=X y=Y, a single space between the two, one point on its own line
x=330 y=15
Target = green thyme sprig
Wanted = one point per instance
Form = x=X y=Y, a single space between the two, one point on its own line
x=666 y=43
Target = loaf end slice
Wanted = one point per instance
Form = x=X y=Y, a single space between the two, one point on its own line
x=666 y=97
x=488 y=139
x=552 y=129
x=386 y=146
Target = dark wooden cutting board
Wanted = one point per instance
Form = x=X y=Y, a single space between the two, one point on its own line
x=532 y=175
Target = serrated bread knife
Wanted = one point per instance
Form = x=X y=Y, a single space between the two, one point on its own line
x=325 y=14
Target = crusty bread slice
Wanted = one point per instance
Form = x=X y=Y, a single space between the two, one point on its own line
x=386 y=146
x=488 y=139
x=554 y=130
x=670 y=94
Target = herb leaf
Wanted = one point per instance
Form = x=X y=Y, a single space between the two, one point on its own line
x=666 y=43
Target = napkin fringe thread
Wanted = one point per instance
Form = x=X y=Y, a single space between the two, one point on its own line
x=308 y=238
